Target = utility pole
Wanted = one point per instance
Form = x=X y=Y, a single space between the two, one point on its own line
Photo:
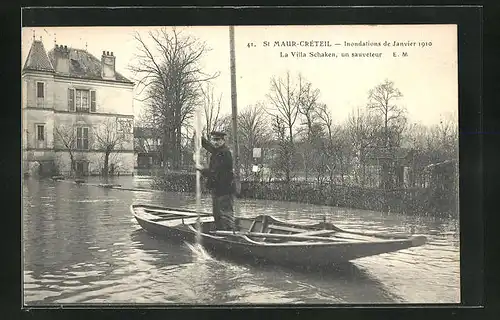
x=234 y=111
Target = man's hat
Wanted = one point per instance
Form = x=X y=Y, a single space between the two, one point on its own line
x=218 y=134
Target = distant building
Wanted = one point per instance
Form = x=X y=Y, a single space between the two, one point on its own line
x=74 y=108
x=147 y=145
x=389 y=169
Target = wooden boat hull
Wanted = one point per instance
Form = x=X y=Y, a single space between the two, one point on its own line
x=311 y=251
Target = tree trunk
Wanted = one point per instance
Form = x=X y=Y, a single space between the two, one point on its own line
x=386 y=130
x=72 y=164
x=290 y=153
x=363 y=174
x=341 y=162
x=288 y=167
x=106 y=164
x=306 y=167
x=178 y=148
x=165 y=145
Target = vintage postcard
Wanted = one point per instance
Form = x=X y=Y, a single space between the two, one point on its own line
x=222 y=165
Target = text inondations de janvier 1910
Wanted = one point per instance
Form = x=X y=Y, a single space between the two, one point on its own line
x=300 y=49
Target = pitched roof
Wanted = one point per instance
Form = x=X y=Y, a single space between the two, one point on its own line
x=82 y=63
x=85 y=65
x=37 y=58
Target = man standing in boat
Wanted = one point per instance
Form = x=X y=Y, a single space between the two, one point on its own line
x=220 y=180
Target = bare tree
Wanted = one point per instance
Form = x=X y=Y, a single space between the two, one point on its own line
x=325 y=119
x=328 y=148
x=280 y=164
x=285 y=97
x=170 y=72
x=363 y=130
x=313 y=133
x=252 y=132
x=382 y=101
x=446 y=135
x=431 y=145
x=108 y=136
x=211 y=108
x=65 y=139
x=308 y=104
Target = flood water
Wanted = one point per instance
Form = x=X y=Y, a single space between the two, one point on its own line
x=82 y=245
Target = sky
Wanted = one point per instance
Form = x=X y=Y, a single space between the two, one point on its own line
x=427 y=77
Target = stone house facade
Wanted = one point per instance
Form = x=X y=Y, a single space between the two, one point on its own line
x=77 y=111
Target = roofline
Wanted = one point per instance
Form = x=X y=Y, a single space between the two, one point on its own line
x=97 y=59
x=46 y=54
x=58 y=75
x=47 y=72
x=129 y=83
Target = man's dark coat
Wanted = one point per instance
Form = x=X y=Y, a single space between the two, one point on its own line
x=220 y=169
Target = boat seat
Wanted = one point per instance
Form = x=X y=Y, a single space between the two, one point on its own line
x=317 y=232
x=289 y=229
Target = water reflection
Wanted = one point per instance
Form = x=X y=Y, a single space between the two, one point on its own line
x=81 y=245
x=216 y=280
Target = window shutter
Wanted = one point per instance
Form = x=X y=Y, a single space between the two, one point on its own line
x=85 y=137
x=71 y=99
x=92 y=100
x=79 y=138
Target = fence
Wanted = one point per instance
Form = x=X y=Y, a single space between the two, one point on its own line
x=408 y=201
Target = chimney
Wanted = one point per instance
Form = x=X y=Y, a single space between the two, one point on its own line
x=108 y=65
x=61 y=54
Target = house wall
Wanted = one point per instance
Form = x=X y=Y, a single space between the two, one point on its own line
x=98 y=125
x=30 y=84
x=123 y=161
x=31 y=119
x=114 y=98
x=38 y=113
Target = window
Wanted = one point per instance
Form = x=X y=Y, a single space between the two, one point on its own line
x=40 y=90
x=81 y=100
x=40 y=94
x=82 y=138
x=40 y=132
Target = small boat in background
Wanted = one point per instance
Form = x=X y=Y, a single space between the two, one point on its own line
x=269 y=239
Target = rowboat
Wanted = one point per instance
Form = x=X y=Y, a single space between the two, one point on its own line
x=266 y=238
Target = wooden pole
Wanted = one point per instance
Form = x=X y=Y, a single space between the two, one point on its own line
x=234 y=111
x=198 y=173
